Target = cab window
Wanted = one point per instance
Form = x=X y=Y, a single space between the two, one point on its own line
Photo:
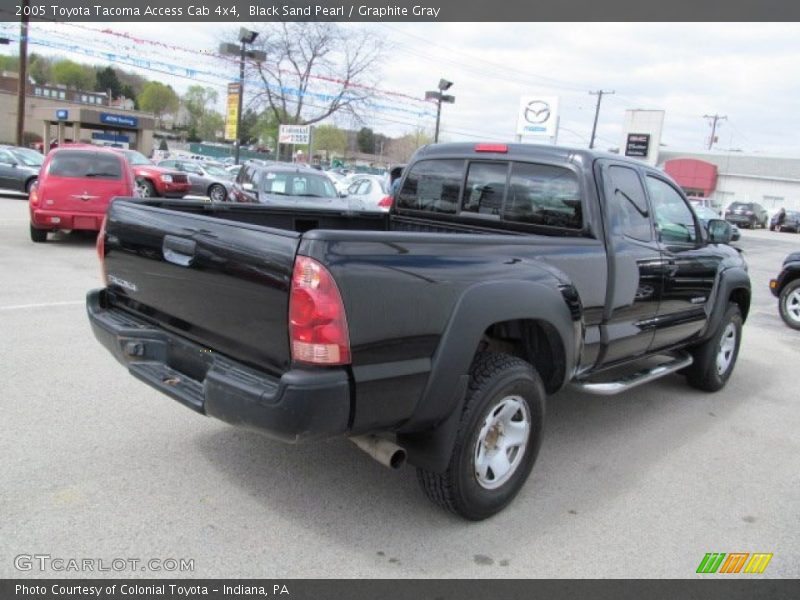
x=485 y=189
x=433 y=186
x=543 y=195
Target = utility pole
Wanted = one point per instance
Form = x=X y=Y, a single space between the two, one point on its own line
x=599 y=94
x=22 y=82
x=714 y=119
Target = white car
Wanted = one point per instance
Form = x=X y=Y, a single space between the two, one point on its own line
x=369 y=191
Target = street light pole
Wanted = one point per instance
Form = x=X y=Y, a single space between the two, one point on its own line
x=245 y=37
x=438 y=118
x=238 y=141
x=440 y=97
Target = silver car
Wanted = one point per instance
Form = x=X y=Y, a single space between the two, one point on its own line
x=206 y=180
x=19 y=168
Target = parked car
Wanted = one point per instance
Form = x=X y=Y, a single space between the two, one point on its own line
x=371 y=192
x=153 y=181
x=502 y=274
x=287 y=186
x=204 y=180
x=19 y=168
x=706 y=215
x=747 y=214
x=786 y=287
x=75 y=186
x=791 y=222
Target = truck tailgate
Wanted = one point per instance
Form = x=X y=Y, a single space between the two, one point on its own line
x=223 y=284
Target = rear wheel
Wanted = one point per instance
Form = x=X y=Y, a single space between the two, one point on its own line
x=217 y=193
x=789 y=304
x=497 y=441
x=29 y=184
x=715 y=358
x=38 y=235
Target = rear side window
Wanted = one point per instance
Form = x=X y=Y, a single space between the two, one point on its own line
x=97 y=165
x=543 y=195
x=432 y=185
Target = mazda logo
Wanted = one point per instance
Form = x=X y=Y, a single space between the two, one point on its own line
x=537 y=112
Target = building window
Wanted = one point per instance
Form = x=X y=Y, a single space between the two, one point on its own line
x=37 y=91
x=62 y=95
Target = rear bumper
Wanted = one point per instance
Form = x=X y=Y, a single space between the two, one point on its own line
x=300 y=405
x=741 y=220
x=54 y=219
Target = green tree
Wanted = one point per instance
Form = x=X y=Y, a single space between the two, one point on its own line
x=39 y=68
x=107 y=80
x=73 y=75
x=128 y=91
x=158 y=99
x=9 y=63
x=329 y=139
x=211 y=123
x=366 y=140
x=198 y=100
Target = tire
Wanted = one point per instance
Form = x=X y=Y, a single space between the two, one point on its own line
x=146 y=189
x=29 y=184
x=38 y=235
x=497 y=382
x=217 y=192
x=789 y=304
x=715 y=359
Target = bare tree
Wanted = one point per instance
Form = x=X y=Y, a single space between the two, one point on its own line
x=314 y=70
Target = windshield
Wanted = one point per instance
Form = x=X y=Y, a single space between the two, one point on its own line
x=298 y=184
x=136 y=158
x=29 y=158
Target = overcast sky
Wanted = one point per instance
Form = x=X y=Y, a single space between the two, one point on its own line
x=746 y=71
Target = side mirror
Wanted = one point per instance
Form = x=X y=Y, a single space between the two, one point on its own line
x=343 y=194
x=248 y=186
x=719 y=231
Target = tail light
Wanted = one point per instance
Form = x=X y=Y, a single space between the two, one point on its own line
x=317 y=322
x=386 y=202
x=33 y=197
x=101 y=250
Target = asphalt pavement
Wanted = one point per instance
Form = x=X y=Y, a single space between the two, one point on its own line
x=96 y=465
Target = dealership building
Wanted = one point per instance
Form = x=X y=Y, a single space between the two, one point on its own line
x=726 y=177
x=58 y=113
x=722 y=177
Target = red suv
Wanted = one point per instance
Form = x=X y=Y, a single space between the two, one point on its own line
x=75 y=185
x=155 y=181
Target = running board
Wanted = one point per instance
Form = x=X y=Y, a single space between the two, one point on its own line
x=628 y=382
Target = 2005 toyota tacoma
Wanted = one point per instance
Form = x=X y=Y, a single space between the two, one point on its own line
x=434 y=332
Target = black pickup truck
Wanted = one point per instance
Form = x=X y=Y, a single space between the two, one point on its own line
x=434 y=332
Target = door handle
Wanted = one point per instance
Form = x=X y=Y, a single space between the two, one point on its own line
x=179 y=251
